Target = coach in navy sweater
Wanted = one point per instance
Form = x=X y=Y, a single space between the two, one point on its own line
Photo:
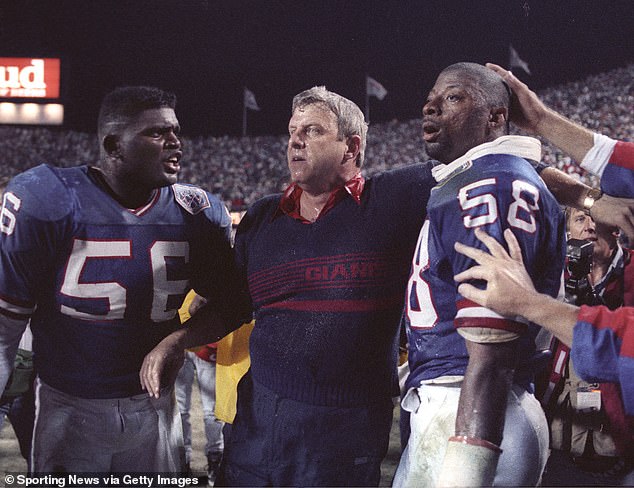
x=324 y=266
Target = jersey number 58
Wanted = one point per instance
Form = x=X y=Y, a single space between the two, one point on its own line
x=479 y=208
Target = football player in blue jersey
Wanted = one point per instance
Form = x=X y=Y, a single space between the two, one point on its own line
x=99 y=258
x=601 y=341
x=469 y=388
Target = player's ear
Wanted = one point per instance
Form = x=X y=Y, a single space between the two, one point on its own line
x=111 y=145
x=498 y=117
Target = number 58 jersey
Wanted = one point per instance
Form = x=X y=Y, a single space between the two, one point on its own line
x=101 y=283
x=492 y=187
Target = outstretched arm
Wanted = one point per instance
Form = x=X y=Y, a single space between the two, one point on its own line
x=608 y=210
x=510 y=291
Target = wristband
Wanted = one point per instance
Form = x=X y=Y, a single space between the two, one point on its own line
x=475 y=441
x=591 y=197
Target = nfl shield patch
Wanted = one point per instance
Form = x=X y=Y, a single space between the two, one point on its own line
x=191 y=198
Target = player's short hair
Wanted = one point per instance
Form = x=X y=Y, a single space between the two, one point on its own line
x=350 y=119
x=494 y=89
x=127 y=101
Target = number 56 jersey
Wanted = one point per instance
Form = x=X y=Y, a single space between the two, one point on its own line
x=492 y=187
x=101 y=283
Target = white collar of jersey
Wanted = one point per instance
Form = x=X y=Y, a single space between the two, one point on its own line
x=522 y=146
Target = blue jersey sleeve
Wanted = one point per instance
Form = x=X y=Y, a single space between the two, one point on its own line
x=34 y=210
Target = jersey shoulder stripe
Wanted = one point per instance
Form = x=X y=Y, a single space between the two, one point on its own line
x=470 y=314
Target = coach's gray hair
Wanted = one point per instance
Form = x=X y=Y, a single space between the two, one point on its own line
x=350 y=119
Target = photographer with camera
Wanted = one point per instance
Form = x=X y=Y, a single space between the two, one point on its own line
x=596 y=262
x=579 y=254
x=587 y=419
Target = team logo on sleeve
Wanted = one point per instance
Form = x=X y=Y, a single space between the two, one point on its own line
x=191 y=198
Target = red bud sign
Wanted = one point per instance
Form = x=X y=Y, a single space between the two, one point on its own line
x=29 y=77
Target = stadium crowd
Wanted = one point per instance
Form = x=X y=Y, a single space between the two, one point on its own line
x=242 y=170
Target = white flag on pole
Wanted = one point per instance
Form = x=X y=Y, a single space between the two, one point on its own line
x=374 y=88
x=249 y=100
x=515 y=60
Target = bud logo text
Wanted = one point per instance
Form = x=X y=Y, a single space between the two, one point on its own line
x=29 y=77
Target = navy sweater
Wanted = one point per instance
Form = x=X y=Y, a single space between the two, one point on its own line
x=328 y=296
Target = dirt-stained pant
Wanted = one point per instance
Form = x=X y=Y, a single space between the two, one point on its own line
x=433 y=418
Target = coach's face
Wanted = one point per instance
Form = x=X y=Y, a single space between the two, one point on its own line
x=455 y=117
x=318 y=159
x=149 y=150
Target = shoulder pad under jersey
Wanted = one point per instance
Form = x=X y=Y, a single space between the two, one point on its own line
x=43 y=193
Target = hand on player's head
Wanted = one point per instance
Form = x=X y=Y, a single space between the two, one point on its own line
x=527 y=110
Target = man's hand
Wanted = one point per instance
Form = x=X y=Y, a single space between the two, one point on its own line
x=509 y=290
x=161 y=365
x=508 y=282
x=527 y=110
x=614 y=211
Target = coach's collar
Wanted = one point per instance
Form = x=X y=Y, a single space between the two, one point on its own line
x=290 y=201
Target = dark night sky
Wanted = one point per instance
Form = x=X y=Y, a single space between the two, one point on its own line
x=206 y=50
